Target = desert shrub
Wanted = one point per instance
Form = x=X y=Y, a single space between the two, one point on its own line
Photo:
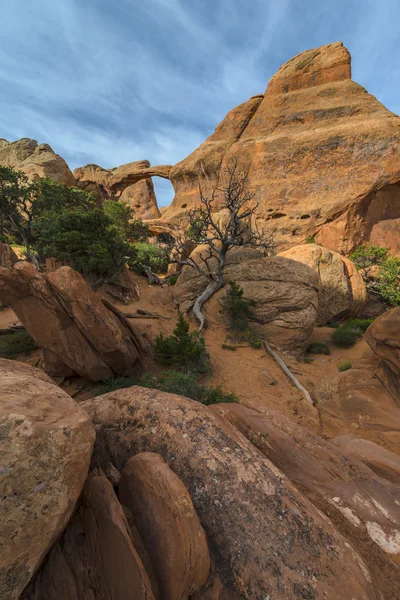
x=365 y=257
x=185 y=384
x=16 y=342
x=3 y=306
x=173 y=279
x=318 y=348
x=310 y=239
x=388 y=284
x=183 y=350
x=113 y=384
x=148 y=255
x=345 y=365
x=357 y=323
x=238 y=310
x=346 y=336
x=228 y=347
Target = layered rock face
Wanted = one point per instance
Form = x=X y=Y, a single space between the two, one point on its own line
x=322 y=156
x=384 y=339
x=46 y=444
x=266 y=538
x=35 y=160
x=76 y=329
x=285 y=293
x=131 y=183
x=342 y=290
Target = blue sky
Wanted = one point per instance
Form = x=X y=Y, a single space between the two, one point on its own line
x=112 y=81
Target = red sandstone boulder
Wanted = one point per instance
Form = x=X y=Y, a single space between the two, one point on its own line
x=342 y=290
x=167 y=522
x=46 y=444
x=35 y=160
x=384 y=463
x=384 y=338
x=8 y=258
x=266 y=538
x=69 y=320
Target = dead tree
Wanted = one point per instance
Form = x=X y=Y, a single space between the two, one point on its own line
x=216 y=237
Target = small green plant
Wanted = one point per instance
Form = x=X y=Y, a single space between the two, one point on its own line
x=365 y=257
x=111 y=385
x=308 y=360
x=388 y=284
x=357 y=323
x=238 y=311
x=173 y=279
x=345 y=365
x=228 y=347
x=3 y=306
x=148 y=255
x=346 y=336
x=16 y=342
x=310 y=239
x=183 y=350
x=318 y=348
x=185 y=384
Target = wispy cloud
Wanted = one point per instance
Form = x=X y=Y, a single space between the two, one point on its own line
x=114 y=82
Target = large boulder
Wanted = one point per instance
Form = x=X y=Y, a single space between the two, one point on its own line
x=266 y=539
x=8 y=258
x=362 y=506
x=96 y=558
x=46 y=444
x=322 y=157
x=342 y=290
x=70 y=321
x=167 y=522
x=35 y=160
x=285 y=293
x=141 y=198
x=383 y=336
x=384 y=463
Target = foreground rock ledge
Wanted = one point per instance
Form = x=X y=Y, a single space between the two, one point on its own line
x=46 y=443
x=265 y=537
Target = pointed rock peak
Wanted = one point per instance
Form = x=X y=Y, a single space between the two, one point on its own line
x=325 y=64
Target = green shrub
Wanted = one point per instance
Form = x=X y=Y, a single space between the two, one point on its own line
x=357 y=323
x=173 y=279
x=388 y=284
x=318 y=348
x=111 y=385
x=238 y=311
x=346 y=336
x=365 y=257
x=148 y=255
x=185 y=384
x=310 y=239
x=16 y=342
x=228 y=347
x=345 y=365
x=183 y=350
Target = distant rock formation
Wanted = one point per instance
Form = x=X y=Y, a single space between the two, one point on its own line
x=323 y=157
x=131 y=183
x=35 y=160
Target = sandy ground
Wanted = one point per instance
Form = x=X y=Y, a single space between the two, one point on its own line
x=251 y=374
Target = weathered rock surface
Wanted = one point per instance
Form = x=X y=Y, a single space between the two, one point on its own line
x=46 y=444
x=342 y=290
x=362 y=506
x=383 y=336
x=360 y=402
x=8 y=258
x=266 y=538
x=96 y=558
x=141 y=198
x=167 y=522
x=68 y=319
x=384 y=463
x=285 y=292
x=322 y=156
x=35 y=160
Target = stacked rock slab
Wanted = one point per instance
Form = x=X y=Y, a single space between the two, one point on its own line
x=321 y=153
x=46 y=444
x=70 y=321
x=266 y=539
x=35 y=160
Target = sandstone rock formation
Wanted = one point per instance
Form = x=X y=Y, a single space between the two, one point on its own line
x=342 y=290
x=322 y=156
x=46 y=443
x=131 y=183
x=384 y=463
x=266 y=539
x=167 y=522
x=70 y=321
x=384 y=338
x=362 y=506
x=35 y=160
x=96 y=558
x=285 y=292
x=8 y=258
